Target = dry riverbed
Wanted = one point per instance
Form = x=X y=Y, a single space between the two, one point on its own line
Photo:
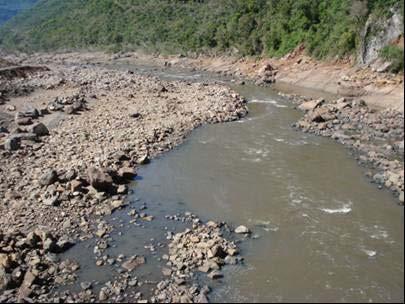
x=379 y=89
x=71 y=139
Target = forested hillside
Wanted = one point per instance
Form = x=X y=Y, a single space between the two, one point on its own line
x=10 y=8
x=245 y=27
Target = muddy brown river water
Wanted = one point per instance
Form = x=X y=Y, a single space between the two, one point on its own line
x=321 y=231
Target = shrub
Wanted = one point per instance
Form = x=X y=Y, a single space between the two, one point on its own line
x=395 y=55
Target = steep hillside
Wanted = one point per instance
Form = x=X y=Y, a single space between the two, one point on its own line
x=246 y=27
x=10 y=8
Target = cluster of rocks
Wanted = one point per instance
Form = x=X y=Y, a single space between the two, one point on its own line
x=201 y=249
x=266 y=75
x=118 y=290
x=21 y=71
x=69 y=176
x=377 y=137
x=27 y=128
x=68 y=104
x=29 y=266
x=13 y=80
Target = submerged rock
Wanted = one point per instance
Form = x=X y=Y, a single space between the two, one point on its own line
x=133 y=263
x=242 y=230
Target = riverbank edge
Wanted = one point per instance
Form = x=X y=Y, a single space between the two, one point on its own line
x=77 y=213
x=310 y=79
x=380 y=90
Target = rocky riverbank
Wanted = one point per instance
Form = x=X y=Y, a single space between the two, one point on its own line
x=200 y=249
x=379 y=89
x=71 y=139
x=203 y=248
x=375 y=137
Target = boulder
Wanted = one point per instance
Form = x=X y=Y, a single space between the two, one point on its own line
x=359 y=103
x=86 y=285
x=68 y=176
x=266 y=75
x=320 y=115
x=100 y=180
x=133 y=263
x=311 y=105
x=77 y=106
x=379 y=178
x=4 y=279
x=76 y=185
x=49 y=245
x=267 y=67
x=39 y=129
x=25 y=121
x=51 y=201
x=48 y=178
x=242 y=230
x=10 y=108
x=230 y=260
x=122 y=189
x=55 y=106
x=218 y=251
x=69 y=109
x=135 y=115
x=143 y=160
x=401 y=197
x=214 y=275
x=32 y=240
x=12 y=143
x=26 y=287
x=117 y=205
x=25 y=136
x=30 y=112
x=126 y=173
x=5 y=261
x=62 y=245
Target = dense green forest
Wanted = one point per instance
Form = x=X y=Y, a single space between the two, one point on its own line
x=10 y=8
x=245 y=27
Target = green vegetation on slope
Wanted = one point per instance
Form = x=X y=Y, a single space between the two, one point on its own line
x=10 y=8
x=395 y=55
x=246 y=27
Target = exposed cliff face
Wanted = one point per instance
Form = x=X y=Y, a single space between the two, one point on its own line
x=378 y=33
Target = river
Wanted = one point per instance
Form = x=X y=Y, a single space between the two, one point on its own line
x=321 y=231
